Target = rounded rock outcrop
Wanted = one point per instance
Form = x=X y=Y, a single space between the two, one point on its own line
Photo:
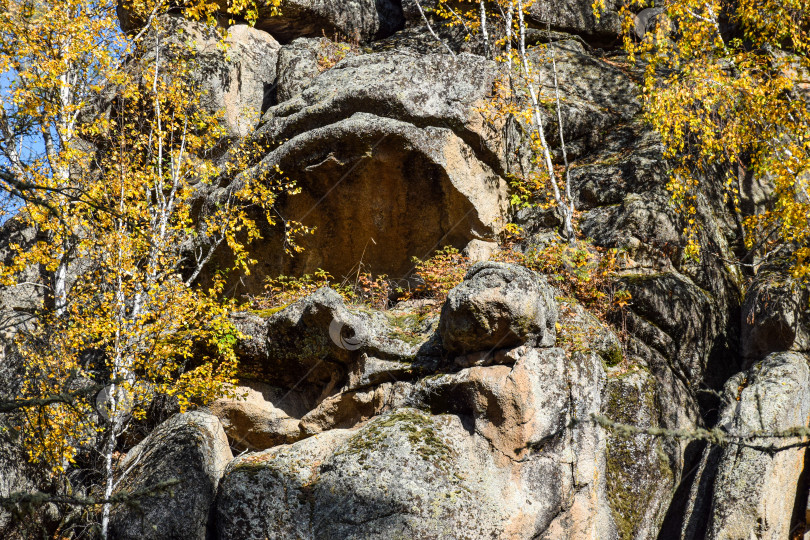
x=361 y=20
x=498 y=306
x=771 y=316
x=190 y=449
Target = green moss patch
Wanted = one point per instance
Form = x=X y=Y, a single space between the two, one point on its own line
x=637 y=467
x=267 y=313
x=421 y=433
x=612 y=357
x=406 y=327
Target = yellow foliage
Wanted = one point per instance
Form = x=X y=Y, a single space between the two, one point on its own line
x=116 y=180
x=439 y=274
x=207 y=10
x=731 y=99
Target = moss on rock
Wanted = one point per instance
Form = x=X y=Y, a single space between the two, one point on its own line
x=638 y=471
x=421 y=433
x=612 y=357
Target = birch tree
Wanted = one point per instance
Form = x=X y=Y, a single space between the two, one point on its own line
x=509 y=18
x=564 y=202
x=104 y=151
x=732 y=95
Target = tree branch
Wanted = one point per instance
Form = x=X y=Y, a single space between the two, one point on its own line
x=39 y=498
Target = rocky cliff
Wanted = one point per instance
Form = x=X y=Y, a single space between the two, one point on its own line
x=476 y=418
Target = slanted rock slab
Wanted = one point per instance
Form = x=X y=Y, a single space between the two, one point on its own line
x=191 y=448
x=755 y=490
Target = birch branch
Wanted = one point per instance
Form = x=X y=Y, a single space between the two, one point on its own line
x=430 y=29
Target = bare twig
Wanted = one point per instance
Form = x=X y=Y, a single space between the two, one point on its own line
x=430 y=29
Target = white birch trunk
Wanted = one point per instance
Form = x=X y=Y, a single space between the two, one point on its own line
x=484 y=32
x=538 y=122
x=568 y=216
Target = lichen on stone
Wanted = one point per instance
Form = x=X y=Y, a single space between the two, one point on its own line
x=421 y=433
x=637 y=468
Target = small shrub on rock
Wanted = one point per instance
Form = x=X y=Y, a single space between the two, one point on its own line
x=439 y=274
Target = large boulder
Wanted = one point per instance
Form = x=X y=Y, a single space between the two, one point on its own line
x=520 y=402
x=191 y=449
x=407 y=474
x=424 y=90
x=359 y=20
x=521 y=413
x=235 y=72
x=577 y=17
x=299 y=63
x=498 y=306
x=495 y=443
x=749 y=490
x=244 y=85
